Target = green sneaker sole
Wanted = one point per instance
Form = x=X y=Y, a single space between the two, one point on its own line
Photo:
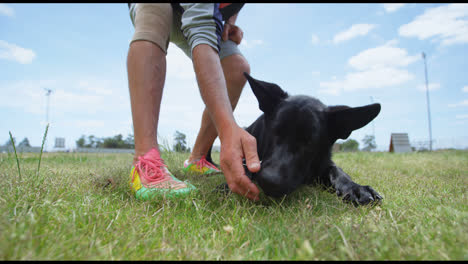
x=143 y=193
x=197 y=172
x=146 y=194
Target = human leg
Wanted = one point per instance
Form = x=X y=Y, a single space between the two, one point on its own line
x=146 y=66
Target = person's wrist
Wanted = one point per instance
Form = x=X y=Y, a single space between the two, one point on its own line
x=226 y=129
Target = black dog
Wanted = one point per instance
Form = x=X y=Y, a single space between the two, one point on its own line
x=295 y=136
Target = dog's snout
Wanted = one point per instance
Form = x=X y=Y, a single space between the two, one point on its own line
x=272 y=183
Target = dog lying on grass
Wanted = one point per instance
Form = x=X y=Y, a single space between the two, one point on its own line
x=295 y=136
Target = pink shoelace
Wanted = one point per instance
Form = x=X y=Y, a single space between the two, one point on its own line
x=203 y=162
x=151 y=168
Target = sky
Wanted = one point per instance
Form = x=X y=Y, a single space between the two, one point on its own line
x=342 y=54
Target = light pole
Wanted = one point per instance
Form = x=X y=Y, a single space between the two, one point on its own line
x=48 y=92
x=428 y=106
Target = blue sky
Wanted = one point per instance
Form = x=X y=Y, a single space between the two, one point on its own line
x=339 y=53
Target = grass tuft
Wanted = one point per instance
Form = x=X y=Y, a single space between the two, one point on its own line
x=40 y=155
x=85 y=211
x=16 y=155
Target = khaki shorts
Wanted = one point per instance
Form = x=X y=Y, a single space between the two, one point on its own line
x=160 y=24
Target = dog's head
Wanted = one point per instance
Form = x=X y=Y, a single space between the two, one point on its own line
x=299 y=132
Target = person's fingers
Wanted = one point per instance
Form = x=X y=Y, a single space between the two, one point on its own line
x=243 y=186
x=236 y=34
x=225 y=35
x=236 y=179
x=249 y=146
x=232 y=153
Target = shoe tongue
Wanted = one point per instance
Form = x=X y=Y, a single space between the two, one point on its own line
x=201 y=161
x=153 y=154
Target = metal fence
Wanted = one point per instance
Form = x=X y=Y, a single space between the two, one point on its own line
x=20 y=149
x=104 y=150
x=4 y=149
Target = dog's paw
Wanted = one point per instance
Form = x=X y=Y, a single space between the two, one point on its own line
x=359 y=195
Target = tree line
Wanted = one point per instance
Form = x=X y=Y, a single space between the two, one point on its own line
x=116 y=141
x=180 y=143
x=23 y=143
x=351 y=145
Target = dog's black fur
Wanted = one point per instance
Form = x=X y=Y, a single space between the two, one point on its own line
x=295 y=136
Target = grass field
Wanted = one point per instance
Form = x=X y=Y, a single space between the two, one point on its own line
x=79 y=207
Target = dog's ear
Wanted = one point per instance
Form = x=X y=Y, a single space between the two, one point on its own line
x=342 y=120
x=269 y=95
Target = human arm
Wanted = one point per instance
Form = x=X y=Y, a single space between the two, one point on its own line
x=236 y=143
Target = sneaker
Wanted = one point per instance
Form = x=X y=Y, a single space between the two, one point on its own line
x=201 y=167
x=150 y=177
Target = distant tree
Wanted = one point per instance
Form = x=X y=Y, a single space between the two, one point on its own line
x=336 y=147
x=350 y=145
x=180 y=143
x=116 y=141
x=130 y=142
x=369 y=143
x=110 y=142
x=91 y=142
x=113 y=142
x=24 y=143
x=9 y=143
x=81 y=142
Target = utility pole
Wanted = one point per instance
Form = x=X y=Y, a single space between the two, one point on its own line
x=428 y=107
x=48 y=92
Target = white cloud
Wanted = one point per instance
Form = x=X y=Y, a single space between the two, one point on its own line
x=462 y=116
x=375 y=68
x=179 y=65
x=315 y=73
x=248 y=44
x=431 y=86
x=354 y=31
x=462 y=103
x=88 y=123
x=99 y=87
x=383 y=56
x=465 y=89
x=389 y=8
x=371 y=78
x=447 y=24
x=6 y=10
x=314 y=39
x=68 y=96
x=16 y=53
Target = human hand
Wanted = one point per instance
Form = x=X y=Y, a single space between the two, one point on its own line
x=235 y=145
x=233 y=33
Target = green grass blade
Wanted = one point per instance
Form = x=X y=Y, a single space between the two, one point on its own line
x=42 y=148
x=16 y=155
